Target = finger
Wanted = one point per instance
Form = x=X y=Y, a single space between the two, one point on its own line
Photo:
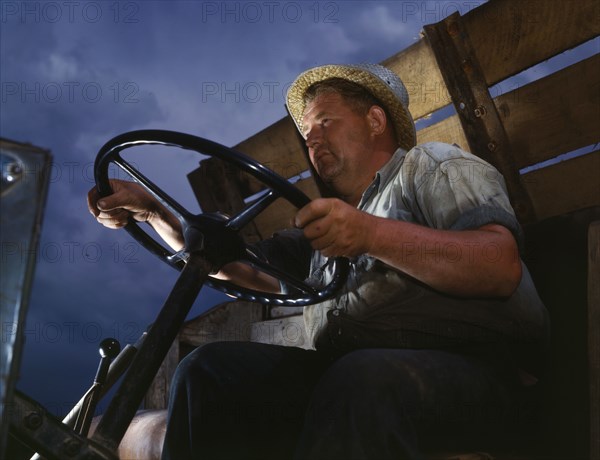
x=114 y=213
x=121 y=198
x=323 y=244
x=110 y=202
x=316 y=229
x=112 y=224
x=92 y=198
x=114 y=219
x=314 y=210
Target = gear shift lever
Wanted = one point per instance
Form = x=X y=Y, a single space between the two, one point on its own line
x=109 y=349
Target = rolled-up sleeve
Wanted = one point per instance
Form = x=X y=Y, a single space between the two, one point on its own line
x=448 y=188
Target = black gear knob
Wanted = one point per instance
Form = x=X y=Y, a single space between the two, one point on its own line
x=109 y=348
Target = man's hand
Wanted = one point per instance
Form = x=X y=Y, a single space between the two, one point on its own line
x=478 y=262
x=335 y=228
x=128 y=200
x=131 y=200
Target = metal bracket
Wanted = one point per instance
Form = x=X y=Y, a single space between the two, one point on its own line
x=477 y=112
x=41 y=431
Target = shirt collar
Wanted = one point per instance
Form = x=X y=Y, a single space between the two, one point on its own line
x=383 y=176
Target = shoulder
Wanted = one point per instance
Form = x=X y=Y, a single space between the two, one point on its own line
x=440 y=161
x=440 y=152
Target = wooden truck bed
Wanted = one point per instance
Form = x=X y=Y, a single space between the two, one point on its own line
x=456 y=68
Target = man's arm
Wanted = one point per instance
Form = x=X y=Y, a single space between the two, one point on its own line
x=472 y=263
x=130 y=200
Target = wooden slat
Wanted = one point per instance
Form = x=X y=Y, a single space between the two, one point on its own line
x=556 y=114
x=477 y=113
x=513 y=35
x=157 y=396
x=225 y=322
x=216 y=187
x=287 y=332
x=278 y=147
x=417 y=68
x=551 y=116
x=448 y=130
x=565 y=186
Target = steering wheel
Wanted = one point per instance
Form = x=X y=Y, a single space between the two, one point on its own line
x=215 y=235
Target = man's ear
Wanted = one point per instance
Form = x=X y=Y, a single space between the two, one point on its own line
x=377 y=119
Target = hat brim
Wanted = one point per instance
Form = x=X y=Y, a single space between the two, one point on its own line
x=402 y=120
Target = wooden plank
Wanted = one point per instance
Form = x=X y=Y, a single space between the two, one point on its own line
x=551 y=116
x=556 y=114
x=524 y=34
x=476 y=110
x=417 y=68
x=448 y=130
x=157 y=396
x=226 y=322
x=565 y=187
x=594 y=336
x=216 y=185
x=281 y=312
x=287 y=332
x=279 y=147
x=513 y=35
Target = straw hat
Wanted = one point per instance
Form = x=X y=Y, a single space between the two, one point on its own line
x=381 y=82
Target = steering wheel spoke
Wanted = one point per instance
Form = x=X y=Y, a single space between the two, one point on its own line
x=250 y=212
x=157 y=192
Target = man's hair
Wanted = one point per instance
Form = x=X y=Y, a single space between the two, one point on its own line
x=359 y=98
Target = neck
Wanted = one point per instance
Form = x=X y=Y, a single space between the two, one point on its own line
x=353 y=192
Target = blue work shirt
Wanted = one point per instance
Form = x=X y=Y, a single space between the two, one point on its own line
x=442 y=187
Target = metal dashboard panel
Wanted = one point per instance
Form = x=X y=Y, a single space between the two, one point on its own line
x=24 y=184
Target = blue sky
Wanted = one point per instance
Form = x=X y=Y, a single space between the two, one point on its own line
x=75 y=74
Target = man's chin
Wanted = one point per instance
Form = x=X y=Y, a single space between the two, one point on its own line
x=326 y=170
x=327 y=177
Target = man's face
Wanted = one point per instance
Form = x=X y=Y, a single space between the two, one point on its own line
x=338 y=141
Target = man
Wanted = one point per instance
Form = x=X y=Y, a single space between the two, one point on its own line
x=437 y=328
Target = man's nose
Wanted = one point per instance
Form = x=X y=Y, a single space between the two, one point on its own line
x=313 y=137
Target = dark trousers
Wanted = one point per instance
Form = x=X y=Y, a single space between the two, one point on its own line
x=233 y=400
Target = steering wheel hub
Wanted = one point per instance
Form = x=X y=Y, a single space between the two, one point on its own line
x=209 y=235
